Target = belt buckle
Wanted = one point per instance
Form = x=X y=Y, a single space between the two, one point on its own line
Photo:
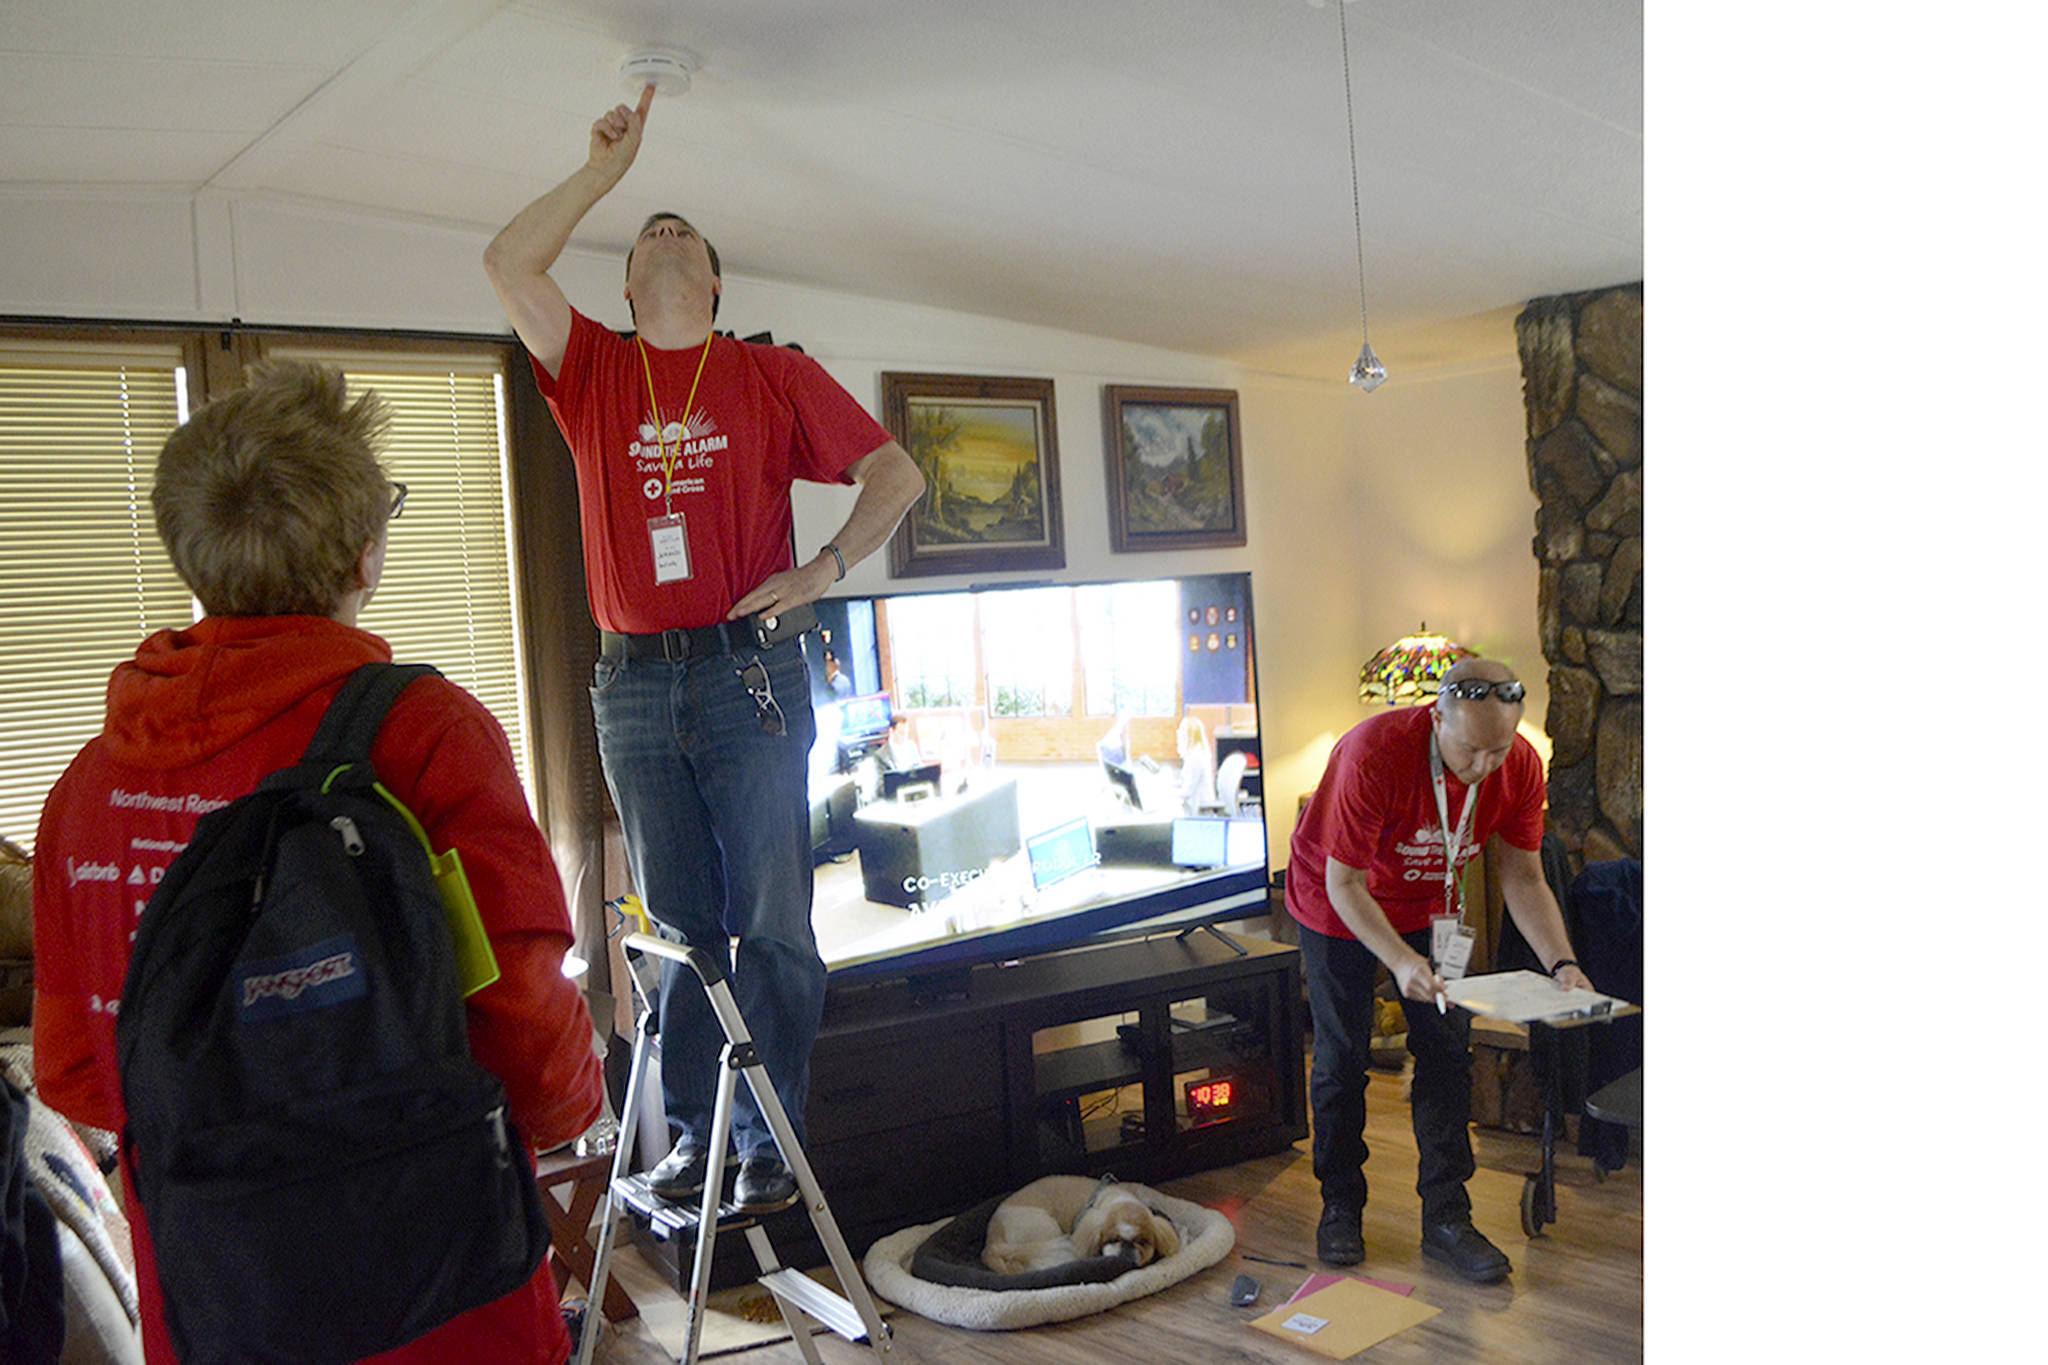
x=675 y=646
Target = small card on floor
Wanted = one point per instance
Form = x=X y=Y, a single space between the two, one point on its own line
x=1342 y=1319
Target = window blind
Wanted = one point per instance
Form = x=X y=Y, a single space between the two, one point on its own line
x=447 y=593
x=82 y=576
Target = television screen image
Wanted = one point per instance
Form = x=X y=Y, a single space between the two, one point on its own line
x=1245 y=844
x=864 y=717
x=1124 y=782
x=1201 y=841
x=924 y=775
x=1061 y=852
x=1023 y=836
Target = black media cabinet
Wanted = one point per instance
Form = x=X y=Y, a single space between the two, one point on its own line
x=1079 y=1062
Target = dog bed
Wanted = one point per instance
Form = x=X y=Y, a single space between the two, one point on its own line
x=935 y=1270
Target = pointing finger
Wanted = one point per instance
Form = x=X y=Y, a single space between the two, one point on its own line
x=646 y=101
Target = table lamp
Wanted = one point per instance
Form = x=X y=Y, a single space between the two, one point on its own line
x=1410 y=670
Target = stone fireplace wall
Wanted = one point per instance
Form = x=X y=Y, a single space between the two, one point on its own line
x=1582 y=383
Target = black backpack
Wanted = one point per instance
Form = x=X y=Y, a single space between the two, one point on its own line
x=326 y=1171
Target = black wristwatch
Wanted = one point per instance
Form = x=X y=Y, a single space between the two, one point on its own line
x=1562 y=963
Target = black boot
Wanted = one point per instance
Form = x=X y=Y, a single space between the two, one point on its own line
x=1339 y=1239
x=1460 y=1246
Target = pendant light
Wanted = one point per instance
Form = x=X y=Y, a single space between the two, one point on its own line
x=1367 y=373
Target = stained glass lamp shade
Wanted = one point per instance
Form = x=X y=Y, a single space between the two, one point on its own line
x=1410 y=670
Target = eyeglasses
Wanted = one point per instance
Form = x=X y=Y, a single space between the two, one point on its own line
x=1478 y=689
x=754 y=677
x=397 y=499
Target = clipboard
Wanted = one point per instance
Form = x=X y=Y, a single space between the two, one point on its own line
x=1526 y=997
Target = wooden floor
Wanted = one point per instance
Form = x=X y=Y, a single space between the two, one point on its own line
x=1576 y=1293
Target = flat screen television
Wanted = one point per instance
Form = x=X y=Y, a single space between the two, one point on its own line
x=1065 y=740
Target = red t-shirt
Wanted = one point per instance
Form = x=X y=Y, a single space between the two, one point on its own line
x=763 y=417
x=1375 y=809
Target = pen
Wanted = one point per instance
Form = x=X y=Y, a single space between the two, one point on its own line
x=1440 y=1007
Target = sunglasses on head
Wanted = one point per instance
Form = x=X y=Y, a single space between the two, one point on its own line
x=768 y=711
x=1478 y=689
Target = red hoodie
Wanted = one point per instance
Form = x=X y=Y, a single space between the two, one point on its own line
x=195 y=720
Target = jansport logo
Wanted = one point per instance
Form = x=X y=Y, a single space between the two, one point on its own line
x=292 y=984
x=326 y=973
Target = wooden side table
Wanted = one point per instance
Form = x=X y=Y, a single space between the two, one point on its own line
x=569 y=1224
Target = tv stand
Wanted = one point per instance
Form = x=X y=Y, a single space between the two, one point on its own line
x=1150 y=1058
x=941 y=985
x=1215 y=933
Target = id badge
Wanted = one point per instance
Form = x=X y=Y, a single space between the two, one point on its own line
x=1450 y=944
x=671 y=541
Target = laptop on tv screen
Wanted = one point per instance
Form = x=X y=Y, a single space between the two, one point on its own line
x=1060 y=852
x=1200 y=841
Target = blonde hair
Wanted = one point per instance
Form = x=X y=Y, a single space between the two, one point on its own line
x=268 y=496
x=1192 y=733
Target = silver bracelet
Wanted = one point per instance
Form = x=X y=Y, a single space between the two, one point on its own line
x=838 y=556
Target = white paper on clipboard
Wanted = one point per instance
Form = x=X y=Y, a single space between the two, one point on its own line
x=1524 y=997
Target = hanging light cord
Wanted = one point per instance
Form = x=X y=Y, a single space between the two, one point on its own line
x=1351 y=128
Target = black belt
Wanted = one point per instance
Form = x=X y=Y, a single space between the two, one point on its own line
x=693 y=642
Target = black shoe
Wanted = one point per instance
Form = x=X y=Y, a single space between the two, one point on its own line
x=1463 y=1249
x=1338 y=1238
x=764 y=1185
x=680 y=1174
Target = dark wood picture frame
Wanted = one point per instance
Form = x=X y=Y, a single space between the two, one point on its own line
x=1176 y=469
x=989 y=450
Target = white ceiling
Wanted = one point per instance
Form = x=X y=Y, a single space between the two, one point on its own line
x=1171 y=172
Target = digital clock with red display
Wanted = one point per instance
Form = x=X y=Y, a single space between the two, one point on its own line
x=1215 y=1098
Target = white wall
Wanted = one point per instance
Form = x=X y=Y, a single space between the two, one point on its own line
x=1367 y=514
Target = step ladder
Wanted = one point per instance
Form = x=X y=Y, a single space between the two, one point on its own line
x=801 y=1299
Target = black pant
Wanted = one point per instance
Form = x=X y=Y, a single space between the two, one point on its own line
x=1340 y=973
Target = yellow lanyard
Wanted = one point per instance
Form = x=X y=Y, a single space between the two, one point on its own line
x=668 y=461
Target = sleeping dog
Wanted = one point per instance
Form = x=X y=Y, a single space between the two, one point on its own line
x=1030 y=1229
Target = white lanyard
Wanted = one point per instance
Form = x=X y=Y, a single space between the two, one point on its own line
x=1454 y=841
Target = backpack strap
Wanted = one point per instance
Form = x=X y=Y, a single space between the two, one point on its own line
x=357 y=712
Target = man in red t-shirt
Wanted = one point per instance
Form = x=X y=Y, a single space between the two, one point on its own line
x=685 y=446
x=1408 y=798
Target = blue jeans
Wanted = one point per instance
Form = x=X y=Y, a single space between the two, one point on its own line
x=716 y=815
x=1341 y=973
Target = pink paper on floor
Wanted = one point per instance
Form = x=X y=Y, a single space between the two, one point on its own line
x=1315 y=1282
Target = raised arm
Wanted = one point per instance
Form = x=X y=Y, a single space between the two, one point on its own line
x=520 y=256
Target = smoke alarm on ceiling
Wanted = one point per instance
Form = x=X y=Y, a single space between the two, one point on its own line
x=667 y=69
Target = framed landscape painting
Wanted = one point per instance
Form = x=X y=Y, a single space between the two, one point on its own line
x=1176 y=478
x=990 y=460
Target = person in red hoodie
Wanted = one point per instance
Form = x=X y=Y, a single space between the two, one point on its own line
x=275 y=512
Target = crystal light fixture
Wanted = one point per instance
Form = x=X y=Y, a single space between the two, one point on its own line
x=1366 y=372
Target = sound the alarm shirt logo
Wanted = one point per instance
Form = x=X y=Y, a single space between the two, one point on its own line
x=315 y=977
x=685 y=450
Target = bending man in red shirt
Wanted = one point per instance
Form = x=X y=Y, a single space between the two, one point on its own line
x=276 y=514
x=1408 y=797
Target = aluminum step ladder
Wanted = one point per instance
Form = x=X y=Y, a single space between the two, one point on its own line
x=802 y=1300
